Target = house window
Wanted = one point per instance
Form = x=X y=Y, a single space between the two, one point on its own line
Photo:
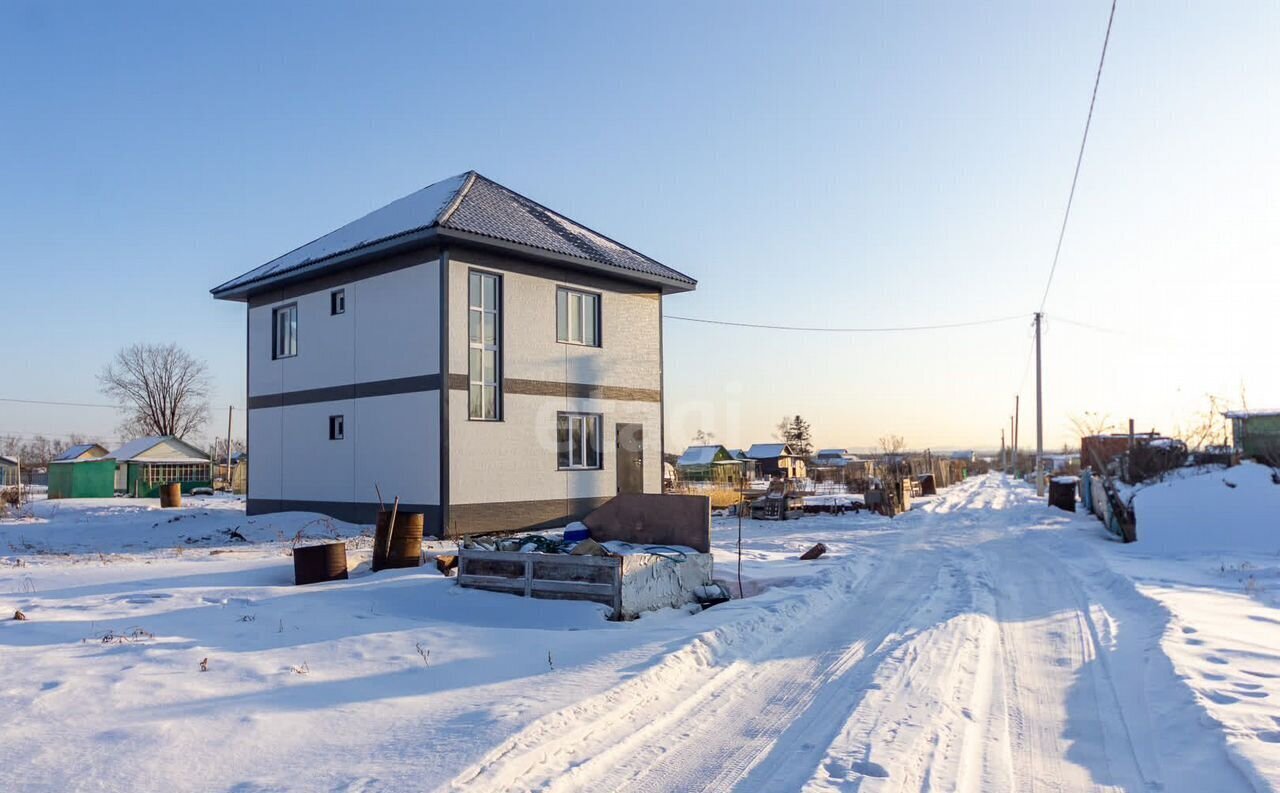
x=337 y=302
x=284 y=331
x=578 y=438
x=335 y=428
x=577 y=317
x=484 y=354
x=164 y=473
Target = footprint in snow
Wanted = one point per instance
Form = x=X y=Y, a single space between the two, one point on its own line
x=1217 y=659
x=868 y=768
x=1270 y=736
x=1188 y=629
x=1253 y=694
x=1221 y=698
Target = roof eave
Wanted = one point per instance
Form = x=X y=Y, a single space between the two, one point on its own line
x=667 y=285
x=338 y=261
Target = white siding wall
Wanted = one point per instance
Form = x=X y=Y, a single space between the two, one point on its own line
x=630 y=352
x=515 y=459
x=390 y=329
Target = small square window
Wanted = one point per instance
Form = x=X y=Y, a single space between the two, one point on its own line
x=337 y=302
x=578 y=441
x=577 y=317
x=335 y=428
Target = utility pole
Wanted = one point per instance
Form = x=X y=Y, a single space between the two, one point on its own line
x=1011 y=458
x=1039 y=416
x=1017 y=421
x=1002 y=449
x=230 y=408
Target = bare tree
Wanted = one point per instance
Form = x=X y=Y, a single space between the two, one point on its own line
x=1091 y=423
x=703 y=438
x=161 y=390
x=1208 y=428
x=892 y=445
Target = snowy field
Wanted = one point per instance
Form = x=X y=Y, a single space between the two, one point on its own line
x=981 y=642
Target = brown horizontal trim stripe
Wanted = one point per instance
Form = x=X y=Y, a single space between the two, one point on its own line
x=359 y=512
x=507 y=516
x=515 y=385
x=374 y=388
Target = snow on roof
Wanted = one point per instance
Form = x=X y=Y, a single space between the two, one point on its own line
x=832 y=452
x=1249 y=414
x=473 y=205
x=699 y=455
x=134 y=448
x=7 y=459
x=75 y=451
x=762 y=451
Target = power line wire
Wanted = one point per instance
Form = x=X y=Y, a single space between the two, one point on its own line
x=1079 y=157
x=896 y=329
x=62 y=404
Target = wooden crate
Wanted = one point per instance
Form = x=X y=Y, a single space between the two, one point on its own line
x=553 y=576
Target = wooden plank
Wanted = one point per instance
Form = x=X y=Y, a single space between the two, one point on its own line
x=518 y=556
x=492 y=582
x=540 y=585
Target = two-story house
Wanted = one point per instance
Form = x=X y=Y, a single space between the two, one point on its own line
x=494 y=364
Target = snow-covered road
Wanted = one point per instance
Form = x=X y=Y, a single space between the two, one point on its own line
x=981 y=649
x=980 y=642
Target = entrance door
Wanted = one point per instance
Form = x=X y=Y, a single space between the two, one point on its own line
x=630 y=458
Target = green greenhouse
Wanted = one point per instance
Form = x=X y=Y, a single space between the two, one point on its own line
x=83 y=471
x=82 y=479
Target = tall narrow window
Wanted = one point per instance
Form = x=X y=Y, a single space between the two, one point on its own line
x=577 y=317
x=284 y=331
x=337 y=302
x=578 y=440
x=484 y=359
x=336 y=428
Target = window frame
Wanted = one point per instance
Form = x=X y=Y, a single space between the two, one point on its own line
x=338 y=427
x=568 y=292
x=476 y=379
x=337 y=302
x=571 y=416
x=275 y=331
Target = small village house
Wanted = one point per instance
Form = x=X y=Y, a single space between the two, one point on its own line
x=8 y=471
x=494 y=364
x=698 y=463
x=1256 y=434
x=839 y=465
x=82 y=471
x=143 y=465
x=750 y=468
x=777 y=459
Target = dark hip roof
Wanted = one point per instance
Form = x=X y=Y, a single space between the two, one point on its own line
x=470 y=209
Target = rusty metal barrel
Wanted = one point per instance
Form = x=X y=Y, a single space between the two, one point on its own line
x=1062 y=493
x=405 y=546
x=171 y=495
x=315 y=563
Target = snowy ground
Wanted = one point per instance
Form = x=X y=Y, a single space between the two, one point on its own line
x=979 y=642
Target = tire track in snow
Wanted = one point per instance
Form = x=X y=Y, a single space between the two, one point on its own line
x=715 y=720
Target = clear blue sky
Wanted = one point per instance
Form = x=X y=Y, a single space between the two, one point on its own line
x=814 y=164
